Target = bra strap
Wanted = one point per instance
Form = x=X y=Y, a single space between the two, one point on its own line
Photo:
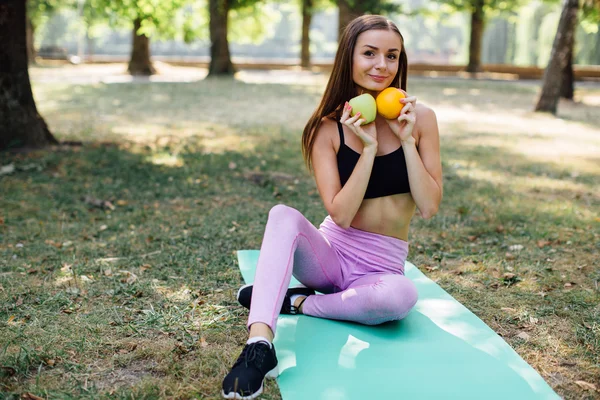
x=341 y=131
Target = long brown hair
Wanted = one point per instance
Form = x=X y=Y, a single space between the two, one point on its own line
x=341 y=86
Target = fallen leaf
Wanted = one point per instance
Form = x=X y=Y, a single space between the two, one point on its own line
x=50 y=363
x=232 y=165
x=145 y=267
x=104 y=204
x=472 y=238
x=30 y=396
x=569 y=284
x=586 y=385
x=19 y=302
x=523 y=335
x=500 y=228
x=102 y=228
x=1 y=220
x=53 y=243
x=203 y=342
x=509 y=256
x=542 y=243
x=108 y=272
x=508 y=309
x=121 y=202
x=11 y=319
x=130 y=277
x=533 y=320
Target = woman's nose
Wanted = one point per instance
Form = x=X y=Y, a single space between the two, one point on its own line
x=381 y=64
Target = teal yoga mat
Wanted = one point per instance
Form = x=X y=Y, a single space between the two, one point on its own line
x=441 y=350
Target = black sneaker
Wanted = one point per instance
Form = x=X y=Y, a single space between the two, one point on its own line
x=244 y=297
x=245 y=380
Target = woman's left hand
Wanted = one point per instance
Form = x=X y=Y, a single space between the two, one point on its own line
x=404 y=124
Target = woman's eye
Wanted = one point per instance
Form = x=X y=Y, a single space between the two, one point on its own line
x=368 y=53
x=393 y=56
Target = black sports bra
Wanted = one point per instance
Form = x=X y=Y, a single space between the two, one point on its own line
x=388 y=176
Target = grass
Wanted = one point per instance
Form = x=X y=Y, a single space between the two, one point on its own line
x=134 y=297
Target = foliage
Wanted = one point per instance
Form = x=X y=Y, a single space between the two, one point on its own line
x=39 y=10
x=491 y=8
x=251 y=24
x=157 y=16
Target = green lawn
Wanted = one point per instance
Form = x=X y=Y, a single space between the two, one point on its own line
x=135 y=297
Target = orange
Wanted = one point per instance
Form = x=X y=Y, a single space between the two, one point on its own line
x=388 y=102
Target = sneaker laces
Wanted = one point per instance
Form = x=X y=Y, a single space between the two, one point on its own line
x=252 y=354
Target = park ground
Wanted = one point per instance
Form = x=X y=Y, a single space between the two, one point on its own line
x=118 y=270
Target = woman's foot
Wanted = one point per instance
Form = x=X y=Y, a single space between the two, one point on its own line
x=245 y=380
x=244 y=297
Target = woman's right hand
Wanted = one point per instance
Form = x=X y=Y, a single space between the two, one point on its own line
x=366 y=133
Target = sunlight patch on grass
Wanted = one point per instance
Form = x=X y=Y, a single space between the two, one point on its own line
x=169 y=160
x=184 y=293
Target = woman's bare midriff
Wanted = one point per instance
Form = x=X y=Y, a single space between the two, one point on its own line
x=389 y=215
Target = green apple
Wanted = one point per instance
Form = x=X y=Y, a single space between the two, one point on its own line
x=366 y=105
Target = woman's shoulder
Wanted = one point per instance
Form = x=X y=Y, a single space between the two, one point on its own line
x=426 y=118
x=423 y=110
x=327 y=135
x=328 y=128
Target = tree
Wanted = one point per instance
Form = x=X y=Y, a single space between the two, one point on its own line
x=350 y=9
x=37 y=11
x=307 y=12
x=561 y=50
x=220 y=58
x=480 y=11
x=20 y=123
x=243 y=13
x=590 y=14
x=148 y=18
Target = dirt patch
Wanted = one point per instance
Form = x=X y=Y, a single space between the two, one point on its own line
x=128 y=376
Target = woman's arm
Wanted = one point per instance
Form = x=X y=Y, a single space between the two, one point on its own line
x=342 y=204
x=424 y=163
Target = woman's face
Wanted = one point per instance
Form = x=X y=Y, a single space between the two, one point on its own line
x=375 y=60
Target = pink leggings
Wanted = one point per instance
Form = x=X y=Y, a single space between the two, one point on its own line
x=361 y=274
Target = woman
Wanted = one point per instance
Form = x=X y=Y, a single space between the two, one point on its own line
x=372 y=178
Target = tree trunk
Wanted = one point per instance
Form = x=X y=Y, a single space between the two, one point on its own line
x=550 y=94
x=596 y=52
x=20 y=123
x=220 y=58
x=477 y=26
x=348 y=10
x=139 y=63
x=89 y=40
x=306 y=19
x=31 y=53
x=567 y=90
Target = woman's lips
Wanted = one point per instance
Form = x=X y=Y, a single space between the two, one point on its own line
x=378 y=78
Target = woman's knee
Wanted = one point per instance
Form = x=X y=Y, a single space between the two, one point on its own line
x=282 y=214
x=396 y=297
